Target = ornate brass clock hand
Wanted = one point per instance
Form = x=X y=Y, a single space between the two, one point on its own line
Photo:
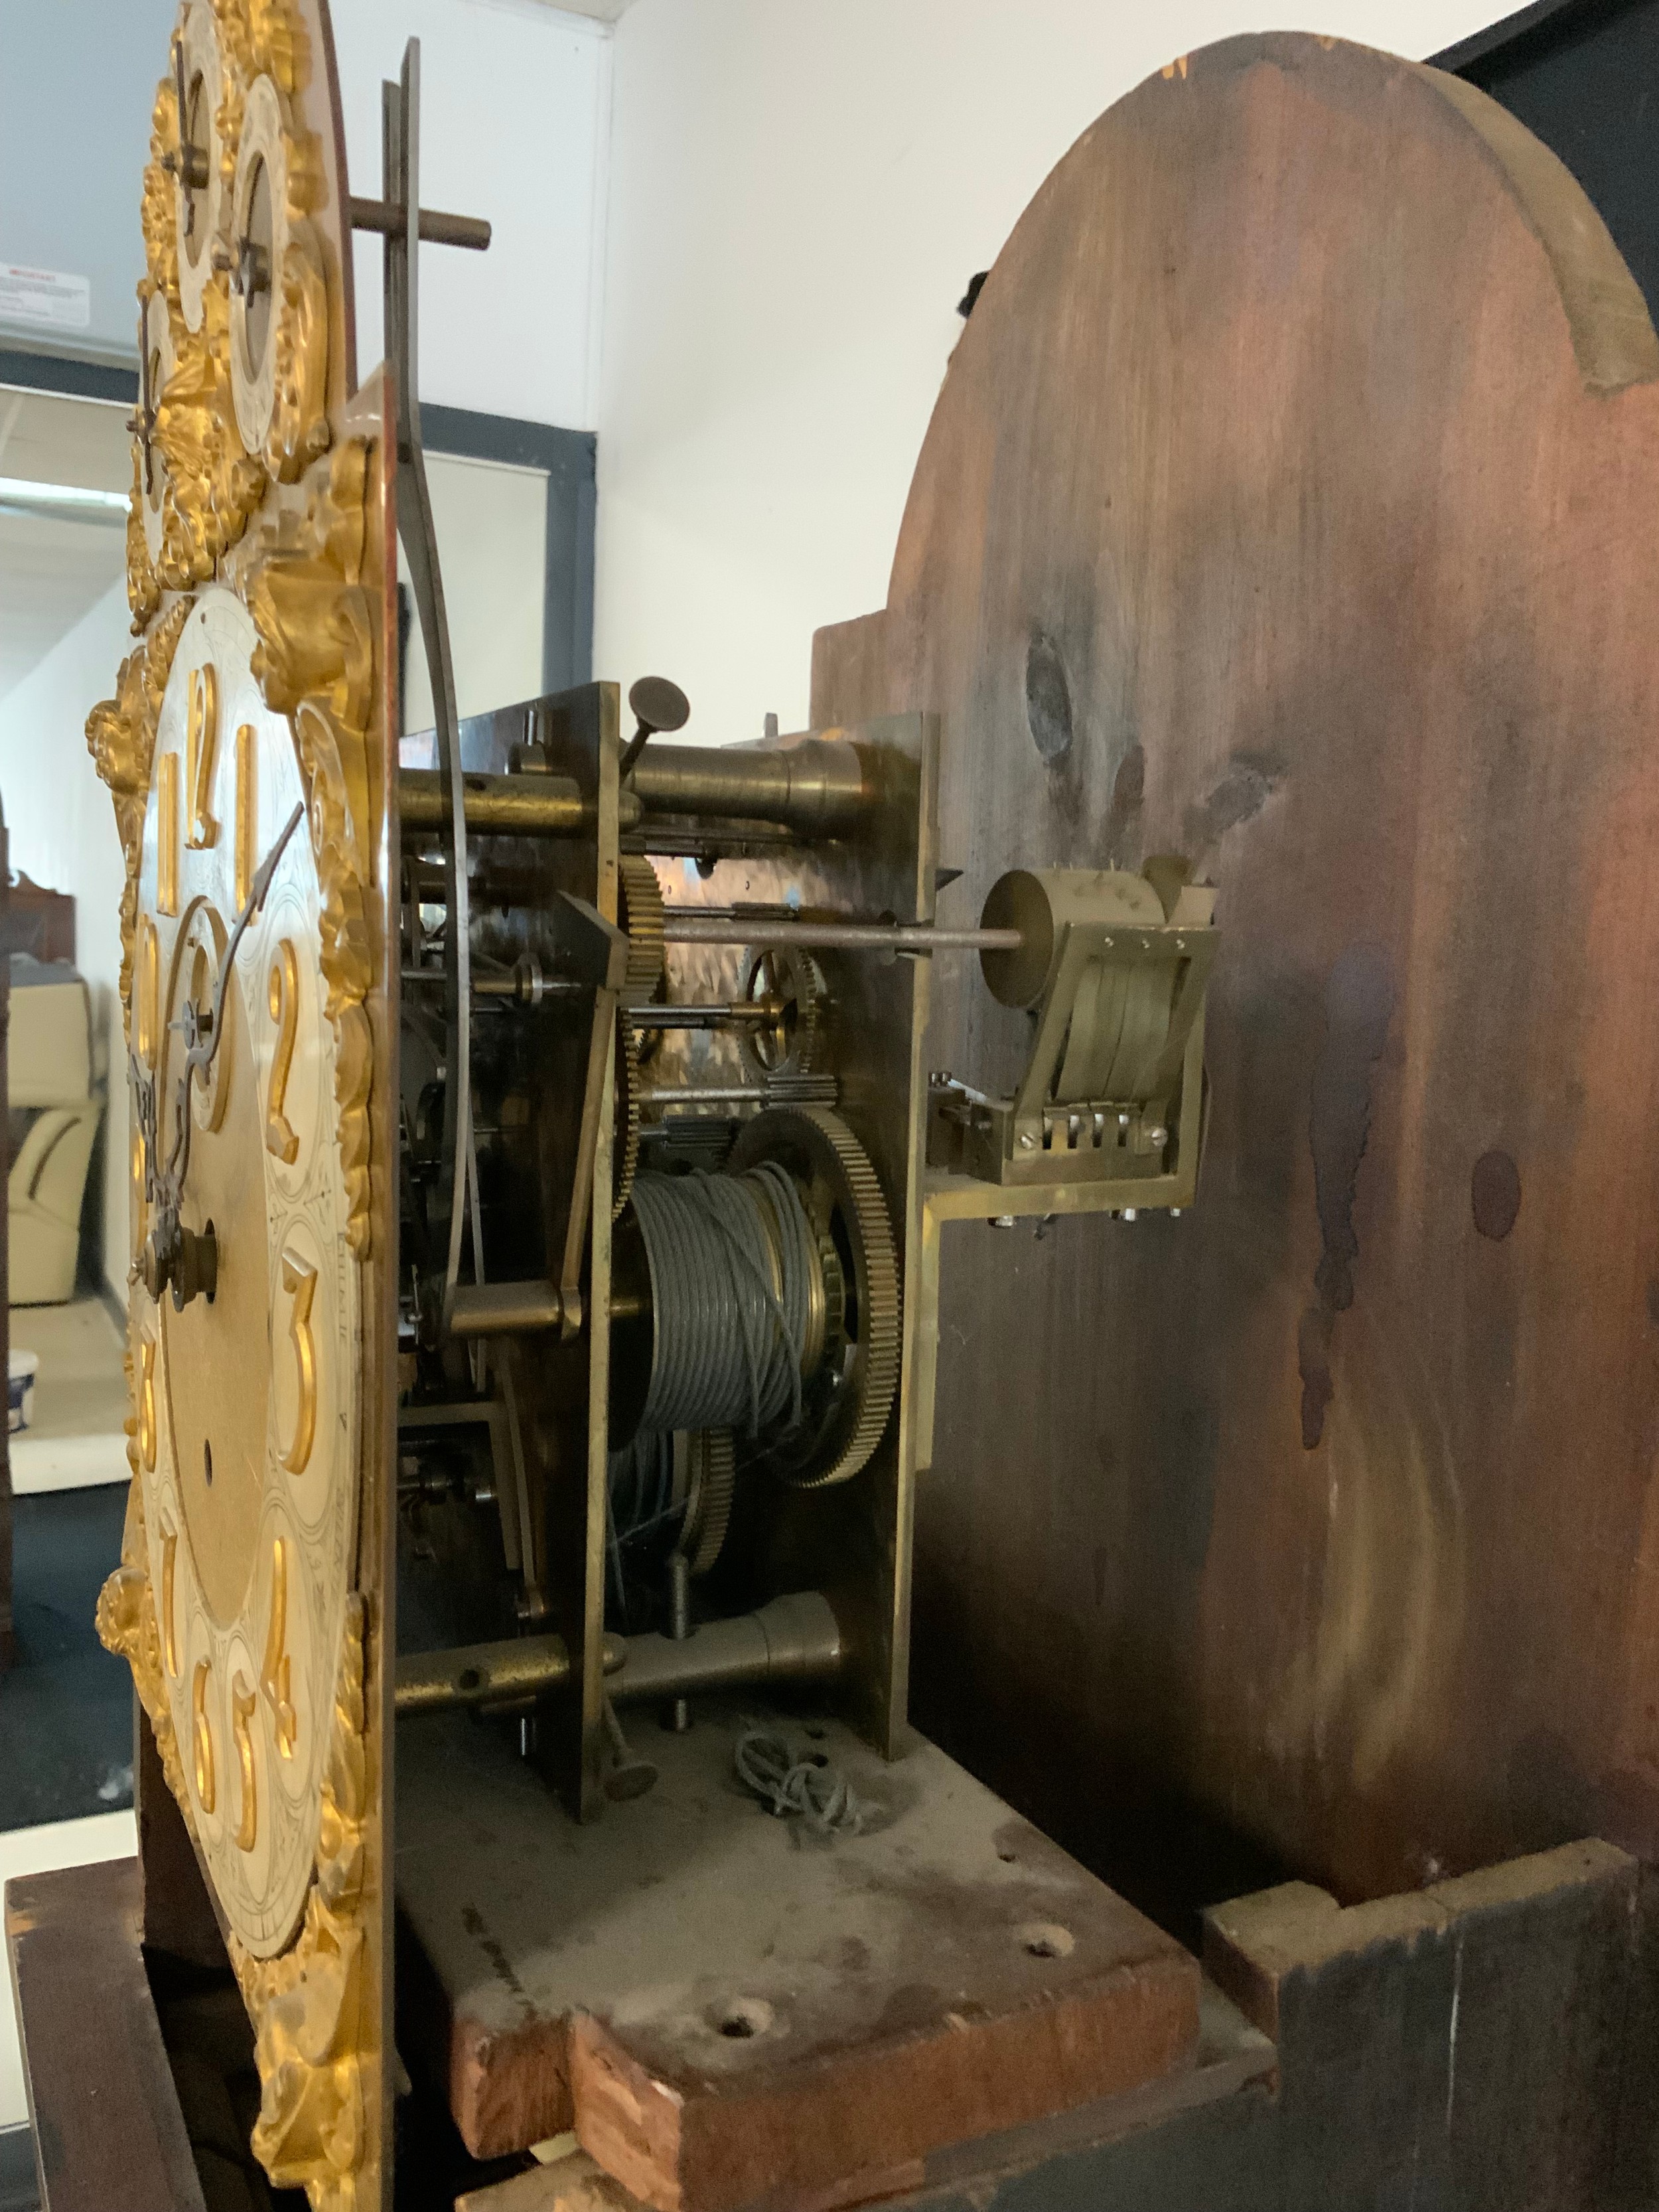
x=189 y=1259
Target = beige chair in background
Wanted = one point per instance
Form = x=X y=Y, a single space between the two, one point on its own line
x=49 y=1075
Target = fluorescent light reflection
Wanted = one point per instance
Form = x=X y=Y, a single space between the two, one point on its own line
x=67 y=503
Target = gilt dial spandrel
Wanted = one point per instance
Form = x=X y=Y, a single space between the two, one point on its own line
x=252 y=1475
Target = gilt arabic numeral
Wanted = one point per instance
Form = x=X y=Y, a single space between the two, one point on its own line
x=202 y=1737
x=243 y=1706
x=276 y=1674
x=248 y=810
x=201 y=749
x=282 y=996
x=147 y=1404
x=300 y=1281
x=167 y=834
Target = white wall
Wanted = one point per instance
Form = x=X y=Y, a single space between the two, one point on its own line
x=491 y=522
x=515 y=98
x=61 y=826
x=514 y=116
x=515 y=110
x=77 y=85
x=799 y=196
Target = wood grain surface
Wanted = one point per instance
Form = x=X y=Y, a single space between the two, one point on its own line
x=1307 y=426
x=107 y=2127
x=1479 y=2043
x=726 y=2009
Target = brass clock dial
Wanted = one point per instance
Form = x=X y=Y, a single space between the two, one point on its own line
x=199 y=155
x=247 y=754
x=250 y=1453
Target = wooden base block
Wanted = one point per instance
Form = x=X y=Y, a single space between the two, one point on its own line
x=728 y=2011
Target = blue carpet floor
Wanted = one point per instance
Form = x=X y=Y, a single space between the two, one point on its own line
x=66 y=1706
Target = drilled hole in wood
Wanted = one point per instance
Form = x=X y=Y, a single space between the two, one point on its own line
x=1046 y=1939
x=743 y=2017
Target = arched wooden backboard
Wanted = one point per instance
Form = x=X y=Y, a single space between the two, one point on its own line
x=1302 y=455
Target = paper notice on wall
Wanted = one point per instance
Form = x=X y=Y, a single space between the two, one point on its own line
x=45 y=296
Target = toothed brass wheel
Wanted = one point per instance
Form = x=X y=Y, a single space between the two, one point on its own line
x=790 y=983
x=641 y=920
x=850 y=1397
x=713 y=1475
x=625 y=1156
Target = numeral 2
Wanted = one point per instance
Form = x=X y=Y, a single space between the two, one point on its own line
x=282 y=996
x=300 y=1281
x=201 y=744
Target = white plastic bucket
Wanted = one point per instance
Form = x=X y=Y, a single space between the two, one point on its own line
x=22 y=1370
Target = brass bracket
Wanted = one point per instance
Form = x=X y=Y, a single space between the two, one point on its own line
x=1114 y=966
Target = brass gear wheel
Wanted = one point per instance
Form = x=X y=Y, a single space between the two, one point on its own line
x=844 y=1199
x=781 y=1049
x=713 y=1478
x=625 y=1154
x=642 y=923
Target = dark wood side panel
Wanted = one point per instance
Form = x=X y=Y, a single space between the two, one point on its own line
x=1307 y=421
x=175 y=1904
x=1477 y=2032
x=107 y=2128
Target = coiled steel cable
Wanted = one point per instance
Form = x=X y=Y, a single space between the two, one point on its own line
x=731 y=1260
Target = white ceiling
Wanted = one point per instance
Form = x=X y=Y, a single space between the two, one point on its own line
x=52 y=570
x=603 y=11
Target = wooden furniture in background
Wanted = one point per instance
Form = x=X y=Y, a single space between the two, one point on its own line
x=8 y=1629
x=37 y=922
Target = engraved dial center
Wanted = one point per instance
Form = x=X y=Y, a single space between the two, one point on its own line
x=217 y=1351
